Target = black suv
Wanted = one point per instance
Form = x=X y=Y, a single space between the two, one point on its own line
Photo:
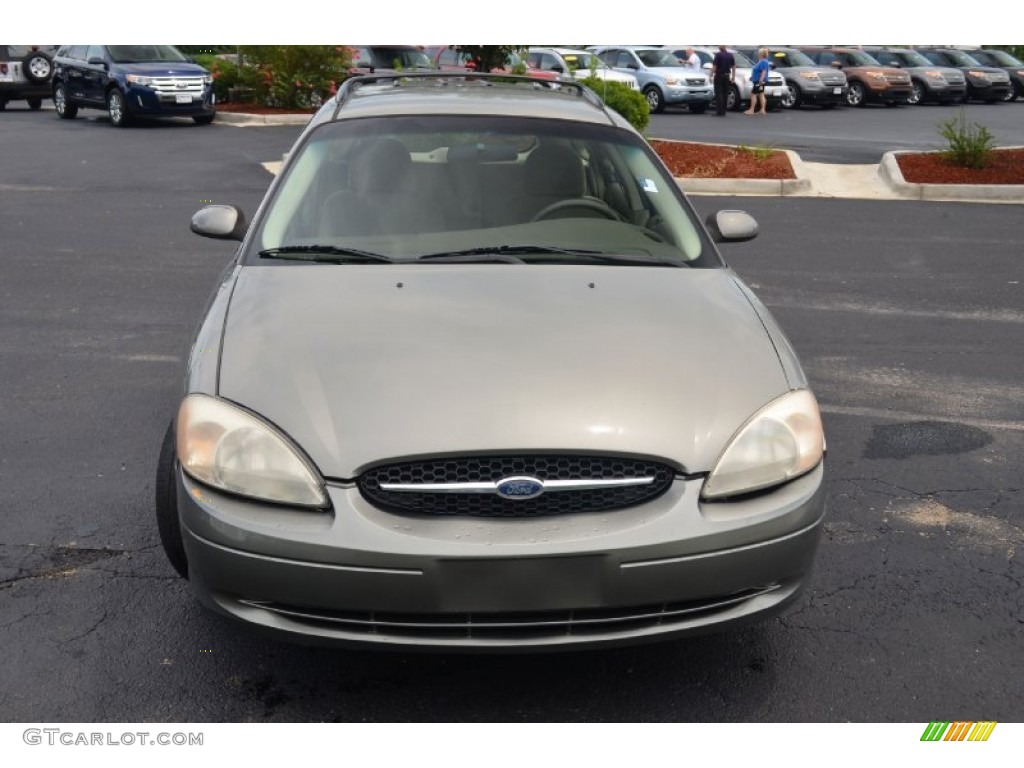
x=25 y=72
x=130 y=81
x=1014 y=67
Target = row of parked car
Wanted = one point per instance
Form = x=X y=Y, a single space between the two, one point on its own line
x=136 y=80
x=824 y=76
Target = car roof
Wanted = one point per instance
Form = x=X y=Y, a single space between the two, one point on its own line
x=449 y=94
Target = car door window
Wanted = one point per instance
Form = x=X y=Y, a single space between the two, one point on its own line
x=95 y=51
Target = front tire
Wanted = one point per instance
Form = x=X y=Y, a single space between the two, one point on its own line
x=167 y=520
x=917 y=93
x=655 y=99
x=117 y=108
x=733 y=103
x=202 y=119
x=855 y=94
x=35 y=103
x=60 y=103
x=791 y=98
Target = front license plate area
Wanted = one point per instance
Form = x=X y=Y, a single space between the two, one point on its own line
x=528 y=584
x=183 y=98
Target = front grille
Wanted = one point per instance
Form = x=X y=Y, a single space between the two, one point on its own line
x=833 y=80
x=510 y=626
x=173 y=85
x=492 y=469
x=697 y=81
x=775 y=80
x=898 y=79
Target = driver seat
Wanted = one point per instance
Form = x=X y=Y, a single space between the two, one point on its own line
x=552 y=173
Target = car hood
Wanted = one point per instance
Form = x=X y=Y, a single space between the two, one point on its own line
x=363 y=364
x=163 y=69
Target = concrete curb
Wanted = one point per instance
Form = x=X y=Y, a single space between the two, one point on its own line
x=774 y=187
x=244 y=119
x=889 y=171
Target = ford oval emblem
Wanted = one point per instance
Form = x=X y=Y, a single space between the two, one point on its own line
x=520 y=488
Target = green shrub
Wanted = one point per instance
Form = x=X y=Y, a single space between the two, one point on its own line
x=225 y=74
x=293 y=75
x=761 y=152
x=970 y=146
x=618 y=96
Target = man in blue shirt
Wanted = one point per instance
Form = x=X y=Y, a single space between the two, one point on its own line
x=723 y=75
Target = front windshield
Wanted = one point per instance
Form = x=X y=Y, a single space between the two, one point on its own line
x=583 y=61
x=861 y=59
x=137 y=54
x=406 y=187
x=658 y=58
x=741 y=60
x=403 y=58
x=795 y=58
x=997 y=58
x=913 y=59
x=962 y=59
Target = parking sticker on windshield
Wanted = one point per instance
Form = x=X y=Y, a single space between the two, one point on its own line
x=648 y=185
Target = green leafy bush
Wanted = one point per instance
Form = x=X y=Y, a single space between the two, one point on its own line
x=292 y=75
x=970 y=146
x=618 y=96
x=225 y=73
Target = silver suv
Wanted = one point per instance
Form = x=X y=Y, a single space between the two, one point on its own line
x=664 y=81
x=478 y=379
x=25 y=72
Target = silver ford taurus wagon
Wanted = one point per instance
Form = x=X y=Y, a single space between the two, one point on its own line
x=478 y=379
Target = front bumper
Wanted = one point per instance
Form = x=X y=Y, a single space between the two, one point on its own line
x=987 y=90
x=688 y=94
x=359 y=576
x=824 y=94
x=145 y=101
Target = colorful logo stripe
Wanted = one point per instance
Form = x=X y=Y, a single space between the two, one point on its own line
x=959 y=731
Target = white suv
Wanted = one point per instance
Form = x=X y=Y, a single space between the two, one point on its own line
x=25 y=72
x=568 y=61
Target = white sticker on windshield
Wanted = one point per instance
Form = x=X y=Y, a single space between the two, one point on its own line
x=648 y=185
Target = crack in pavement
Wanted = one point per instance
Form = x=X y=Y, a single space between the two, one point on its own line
x=49 y=562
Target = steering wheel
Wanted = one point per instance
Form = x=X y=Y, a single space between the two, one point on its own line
x=594 y=204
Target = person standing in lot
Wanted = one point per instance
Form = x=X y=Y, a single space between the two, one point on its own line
x=692 y=59
x=759 y=77
x=723 y=75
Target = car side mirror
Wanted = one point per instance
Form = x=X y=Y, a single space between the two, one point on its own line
x=221 y=222
x=707 y=66
x=96 y=61
x=731 y=226
x=837 y=64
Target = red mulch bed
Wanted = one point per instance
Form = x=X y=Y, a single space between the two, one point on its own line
x=932 y=168
x=709 y=161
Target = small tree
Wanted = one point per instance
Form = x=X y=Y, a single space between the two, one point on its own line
x=969 y=146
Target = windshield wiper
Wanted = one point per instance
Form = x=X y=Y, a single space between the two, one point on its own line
x=325 y=254
x=508 y=252
x=549 y=254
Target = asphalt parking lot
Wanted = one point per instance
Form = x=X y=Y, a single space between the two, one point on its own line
x=908 y=317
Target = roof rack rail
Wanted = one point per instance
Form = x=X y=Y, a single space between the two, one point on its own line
x=352 y=84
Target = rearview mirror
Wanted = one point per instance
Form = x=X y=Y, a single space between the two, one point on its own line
x=732 y=226
x=221 y=222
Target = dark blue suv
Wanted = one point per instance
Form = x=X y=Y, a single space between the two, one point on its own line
x=131 y=80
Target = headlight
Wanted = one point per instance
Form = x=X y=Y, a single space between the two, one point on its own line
x=229 y=448
x=935 y=76
x=974 y=73
x=673 y=81
x=139 y=79
x=207 y=79
x=778 y=443
x=810 y=75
